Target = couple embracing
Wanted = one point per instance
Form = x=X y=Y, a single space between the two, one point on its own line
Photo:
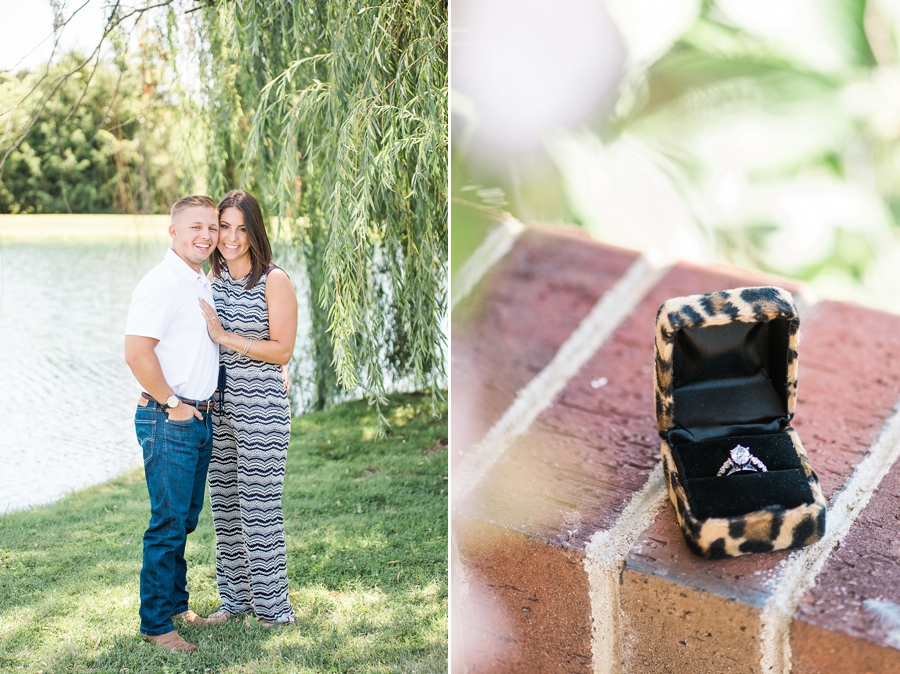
x=209 y=353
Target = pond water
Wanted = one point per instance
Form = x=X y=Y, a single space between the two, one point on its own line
x=66 y=395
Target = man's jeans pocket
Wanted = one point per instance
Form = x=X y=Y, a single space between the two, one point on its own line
x=146 y=436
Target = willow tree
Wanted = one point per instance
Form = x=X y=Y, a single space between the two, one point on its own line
x=335 y=112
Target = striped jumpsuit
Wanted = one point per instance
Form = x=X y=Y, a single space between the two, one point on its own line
x=251 y=429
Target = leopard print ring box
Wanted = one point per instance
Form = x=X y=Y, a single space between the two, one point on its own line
x=726 y=387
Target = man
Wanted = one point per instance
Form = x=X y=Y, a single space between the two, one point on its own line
x=171 y=355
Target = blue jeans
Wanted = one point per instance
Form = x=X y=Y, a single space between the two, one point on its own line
x=176 y=458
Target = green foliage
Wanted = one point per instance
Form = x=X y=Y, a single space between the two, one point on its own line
x=366 y=535
x=102 y=143
x=751 y=140
x=346 y=109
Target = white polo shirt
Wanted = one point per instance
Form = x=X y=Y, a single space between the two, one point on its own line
x=165 y=306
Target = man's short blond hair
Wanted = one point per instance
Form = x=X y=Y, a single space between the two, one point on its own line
x=190 y=201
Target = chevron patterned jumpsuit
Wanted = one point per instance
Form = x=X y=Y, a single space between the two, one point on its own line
x=251 y=429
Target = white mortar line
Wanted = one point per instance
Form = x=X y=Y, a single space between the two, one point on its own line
x=614 y=307
x=604 y=559
x=497 y=244
x=801 y=569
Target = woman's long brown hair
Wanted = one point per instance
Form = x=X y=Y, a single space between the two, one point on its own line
x=260 y=250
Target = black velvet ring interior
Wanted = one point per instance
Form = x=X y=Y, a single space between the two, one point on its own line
x=709 y=495
x=730 y=387
x=730 y=380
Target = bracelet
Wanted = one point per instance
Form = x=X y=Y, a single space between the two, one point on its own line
x=247 y=348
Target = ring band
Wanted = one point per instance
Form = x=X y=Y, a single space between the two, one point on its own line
x=741 y=461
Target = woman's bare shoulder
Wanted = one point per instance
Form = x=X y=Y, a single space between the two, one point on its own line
x=279 y=277
x=279 y=283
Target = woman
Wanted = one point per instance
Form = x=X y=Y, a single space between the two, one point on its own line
x=255 y=323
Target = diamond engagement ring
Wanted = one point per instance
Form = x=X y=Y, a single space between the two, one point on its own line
x=741 y=461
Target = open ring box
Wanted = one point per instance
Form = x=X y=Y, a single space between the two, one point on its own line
x=726 y=375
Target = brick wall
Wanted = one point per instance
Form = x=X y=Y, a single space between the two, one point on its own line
x=565 y=552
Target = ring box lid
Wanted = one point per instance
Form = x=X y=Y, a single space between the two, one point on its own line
x=726 y=364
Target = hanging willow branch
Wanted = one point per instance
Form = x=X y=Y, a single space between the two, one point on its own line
x=346 y=104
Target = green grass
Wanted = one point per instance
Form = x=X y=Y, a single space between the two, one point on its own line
x=366 y=530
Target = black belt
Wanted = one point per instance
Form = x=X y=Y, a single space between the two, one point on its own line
x=202 y=405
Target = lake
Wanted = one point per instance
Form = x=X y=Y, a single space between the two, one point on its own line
x=67 y=397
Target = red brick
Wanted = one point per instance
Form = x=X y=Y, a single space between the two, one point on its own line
x=686 y=631
x=568 y=476
x=580 y=462
x=849 y=383
x=866 y=567
x=525 y=307
x=525 y=527
x=526 y=606
x=815 y=650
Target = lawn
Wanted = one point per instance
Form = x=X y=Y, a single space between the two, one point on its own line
x=366 y=529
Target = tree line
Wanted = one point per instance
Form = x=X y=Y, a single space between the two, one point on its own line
x=104 y=149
